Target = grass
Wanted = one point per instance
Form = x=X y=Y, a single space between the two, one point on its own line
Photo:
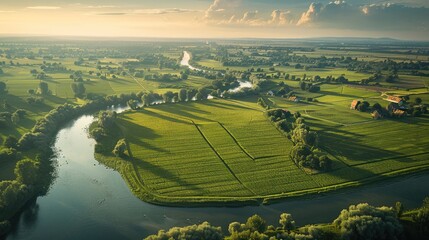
x=201 y=152
x=225 y=150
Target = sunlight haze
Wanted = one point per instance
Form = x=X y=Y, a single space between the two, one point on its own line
x=216 y=18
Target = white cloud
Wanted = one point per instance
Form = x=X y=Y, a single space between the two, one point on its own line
x=163 y=10
x=340 y=14
x=280 y=17
x=148 y=11
x=101 y=6
x=44 y=7
x=312 y=12
x=222 y=10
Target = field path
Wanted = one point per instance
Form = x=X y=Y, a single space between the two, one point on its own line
x=137 y=81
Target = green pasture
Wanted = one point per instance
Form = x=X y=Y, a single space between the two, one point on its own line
x=226 y=150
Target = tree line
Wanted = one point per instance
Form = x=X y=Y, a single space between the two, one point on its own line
x=305 y=152
x=357 y=222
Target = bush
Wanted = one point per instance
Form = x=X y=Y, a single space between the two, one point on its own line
x=201 y=231
x=27 y=171
x=364 y=221
x=10 y=142
x=120 y=148
x=9 y=154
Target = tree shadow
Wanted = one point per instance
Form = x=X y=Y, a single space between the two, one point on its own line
x=164 y=116
x=181 y=112
x=164 y=173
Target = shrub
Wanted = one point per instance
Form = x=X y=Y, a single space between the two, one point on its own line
x=120 y=148
x=364 y=221
x=26 y=171
x=201 y=231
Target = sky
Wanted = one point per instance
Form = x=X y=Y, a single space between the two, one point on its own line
x=401 y=19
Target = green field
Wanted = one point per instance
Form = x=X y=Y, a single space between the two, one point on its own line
x=227 y=151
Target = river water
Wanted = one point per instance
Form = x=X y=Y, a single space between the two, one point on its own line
x=89 y=201
x=185 y=61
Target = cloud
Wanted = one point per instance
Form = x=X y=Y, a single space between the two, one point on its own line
x=163 y=10
x=44 y=7
x=149 y=11
x=234 y=12
x=4 y=11
x=112 y=14
x=101 y=6
x=222 y=10
x=279 y=17
x=311 y=14
x=340 y=14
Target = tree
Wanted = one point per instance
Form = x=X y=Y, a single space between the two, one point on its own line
x=133 y=104
x=190 y=94
x=287 y=222
x=363 y=107
x=168 y=96
x=201 y=231
x=183 y=76
x=256 y=223
x=421 y=218
x=418 y=101
x=399 y=208
x=10 y=142
x=97 y=133
x=43 y=88
x=26 y=171
x=120 y=148
x=302 y=85
x=364 y=221
x=78 y=89
x=182 y=95
x=2 y=88
x=146 y=101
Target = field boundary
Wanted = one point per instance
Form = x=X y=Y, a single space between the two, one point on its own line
x=236 y=142
x=220 y=157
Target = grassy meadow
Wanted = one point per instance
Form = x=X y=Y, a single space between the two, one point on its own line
x=226 y=150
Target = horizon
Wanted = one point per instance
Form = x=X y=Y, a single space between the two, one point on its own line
x=217 y=19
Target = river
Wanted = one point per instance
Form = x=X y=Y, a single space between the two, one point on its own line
x=90 y=201
x=185 y=61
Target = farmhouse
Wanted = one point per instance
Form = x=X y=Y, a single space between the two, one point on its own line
x=399 y=102
x=270 y=93
x=293 y=99
x=355 y=104
x=394 y=99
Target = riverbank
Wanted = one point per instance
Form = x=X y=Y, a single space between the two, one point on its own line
x=40 y=138
x=97 y=199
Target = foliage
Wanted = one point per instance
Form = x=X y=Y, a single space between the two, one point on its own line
x=78 y=89
x=43 y=88
x=200 y=231
x=287 y=222
x=8 y=154
x=10 y=142
x=3 y=89
x=421 y=218
x=120 y=148
x=364 y=221
x=26 y=171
